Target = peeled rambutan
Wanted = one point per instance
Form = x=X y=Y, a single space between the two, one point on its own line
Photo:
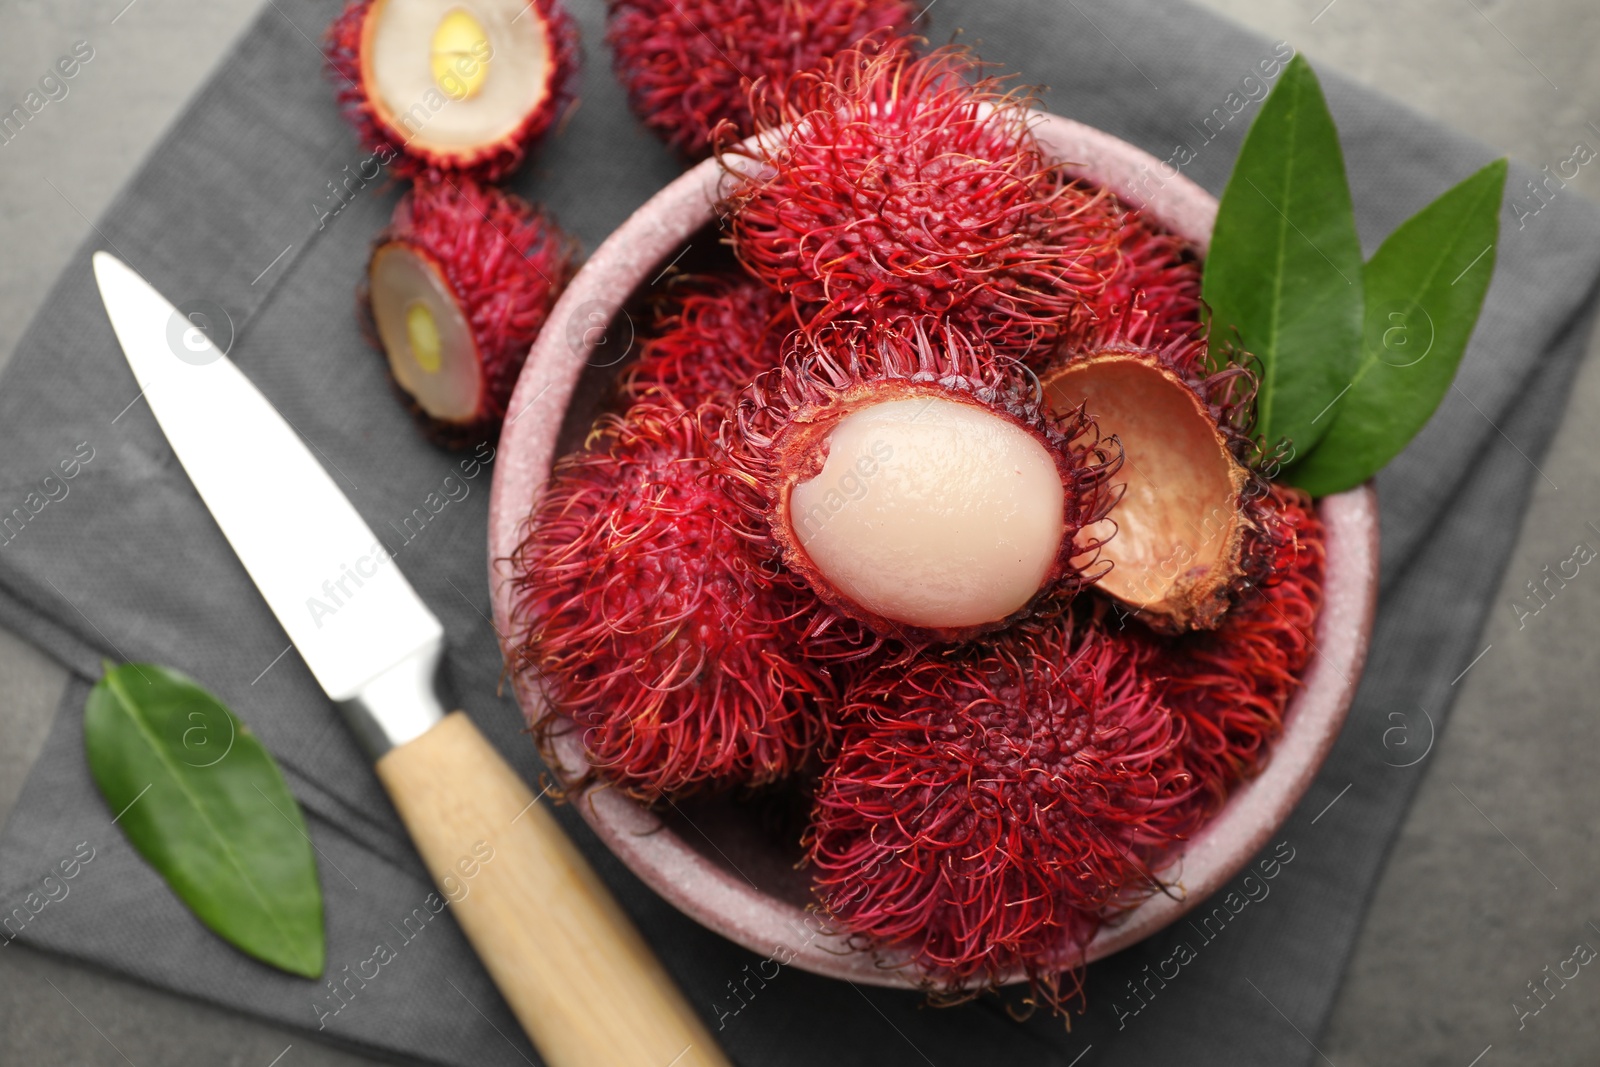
x=914 y=482
x=652 y=628
x=886 y=185
x=463 y=88
x=457 y=289
x=688 y=64
x=712 y=335
x=1177 y=556
x=1231 y=685
x=988 y=808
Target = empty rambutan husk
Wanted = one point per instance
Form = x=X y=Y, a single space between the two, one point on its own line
x=884 y=185
x=464 y=88
x=688 y=64
x=457 y=289
x=711 y=336
x=1177 y=555
x=653 y=630
x=988 y=808
x=914 y=481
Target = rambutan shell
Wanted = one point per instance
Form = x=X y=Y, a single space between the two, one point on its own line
x=697 y=873
x=1178 y=526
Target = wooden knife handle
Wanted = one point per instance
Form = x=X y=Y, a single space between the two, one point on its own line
x=581 y=980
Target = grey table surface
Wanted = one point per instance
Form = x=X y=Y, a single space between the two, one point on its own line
x=1478 y=896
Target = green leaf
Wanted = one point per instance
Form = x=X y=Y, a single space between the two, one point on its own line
x=204 y=803
x=1424 y=289
x=1284 y=269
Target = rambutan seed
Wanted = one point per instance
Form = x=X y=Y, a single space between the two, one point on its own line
x=457 y=289
x=914 y=482
x=652 y=629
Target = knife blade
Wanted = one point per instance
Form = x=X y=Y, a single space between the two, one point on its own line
x=314 y=559
x=562 y=953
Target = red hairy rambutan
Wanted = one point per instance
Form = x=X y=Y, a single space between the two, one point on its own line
x=885 y=185
x=711 y=337
x=457 y=289
x=457 y=87
x=915 y=482
x=988 y=808
x=1231 y=685
x=1154 y=267
x=1177 y=557
x=650 y=625
x=688 y=64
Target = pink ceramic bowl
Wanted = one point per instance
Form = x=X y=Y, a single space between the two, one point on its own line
x=712 y=858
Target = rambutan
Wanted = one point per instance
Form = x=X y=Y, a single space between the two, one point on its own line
x=915 y=482
x=652 y=628
x=989 y=807
x=688 y=64
x=712 y=335
x=457 y=289
x=1153 y=267
x=1231 y=685
x=1178 y=551
x=463 y=88
x=885 y=185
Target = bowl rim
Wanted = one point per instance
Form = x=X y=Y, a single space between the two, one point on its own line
x=723 y=900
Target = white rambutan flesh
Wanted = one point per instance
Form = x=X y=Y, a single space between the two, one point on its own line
x=933 y=512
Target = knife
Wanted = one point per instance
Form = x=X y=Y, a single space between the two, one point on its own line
x=580 y=979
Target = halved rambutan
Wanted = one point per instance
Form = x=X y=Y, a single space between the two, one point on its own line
x=914 y=482
x=712 y=335
x=688 y=65
x=1181 y=522
x=886 y=185
x=457 y=289
x=1231 y=686
x=988 y=808
x=461 y=86
x=651 y=626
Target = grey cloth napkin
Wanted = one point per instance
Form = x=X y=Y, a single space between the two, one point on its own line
x=128 y=564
